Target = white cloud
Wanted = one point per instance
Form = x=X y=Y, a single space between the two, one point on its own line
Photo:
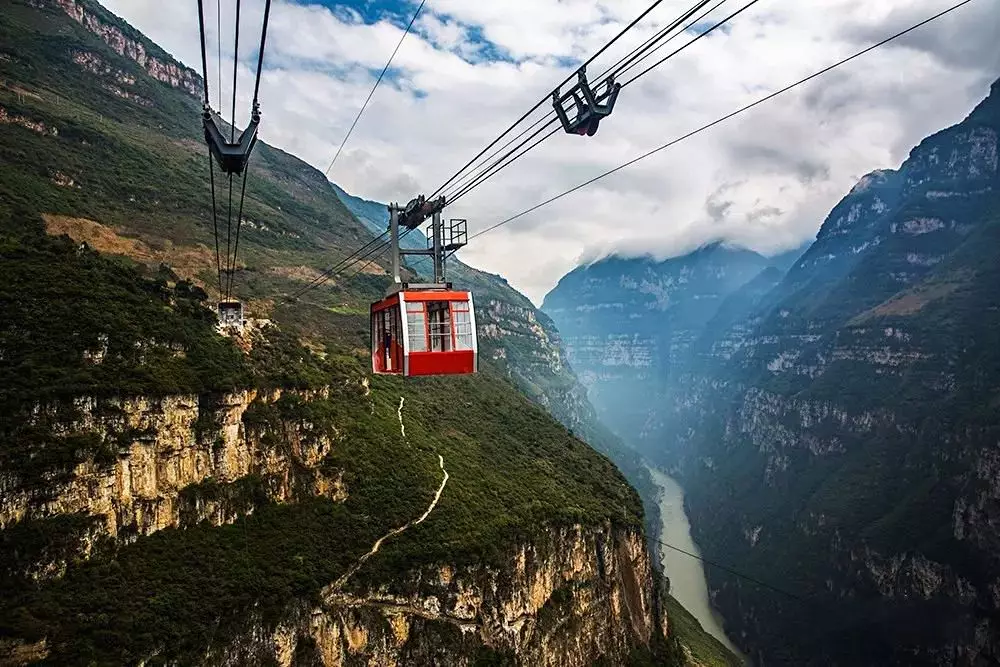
x=765 y=180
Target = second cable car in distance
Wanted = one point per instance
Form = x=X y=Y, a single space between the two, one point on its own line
x=424 y=329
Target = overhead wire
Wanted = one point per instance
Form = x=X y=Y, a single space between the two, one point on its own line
x=659 y=37
x=700 y=35
x=377 y=252
x=538 y=104
x=624 y=63
x=377 y=82
x=211 y=161
x=735 y=573
x=338 y=266
x=236 y=246
x=231 y=260
x=498 y=165
x=722 y=119
x=218 y=30
x=357 y=257
x=254 y=105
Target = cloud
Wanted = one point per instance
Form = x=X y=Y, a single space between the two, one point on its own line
x=765 y=180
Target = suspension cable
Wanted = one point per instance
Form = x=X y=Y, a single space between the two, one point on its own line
x=650 y=43
x=204 y=54
x=236 y=248
x=496 y=166
x=260 y=54
x=215 y=217
x=218 y=32
x=735 y=573
x=485 y=172
x=256 y=93
x=229 y=229
x=339 y=266
x=236 y=62
x=724 y=118
x=372 y=92
x=542 y=101
x=686 y=45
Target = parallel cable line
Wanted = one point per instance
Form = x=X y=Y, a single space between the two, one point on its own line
x=218 y=31
x=460 y=183
x=236 y=63
x=215 y=219
x=660 y=36
x=707 y=32
x=377 y=82
x=229 y=229
x=374 y=254
x=546 y=98
x=339 y=266
x=496 y=166
x=231 y=262
x=725 y=118
x=236 y=247
x=260 y=54
x=631 y=61
x=256 y=99
x=211 y=162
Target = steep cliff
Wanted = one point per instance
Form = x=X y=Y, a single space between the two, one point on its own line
x=837 y=430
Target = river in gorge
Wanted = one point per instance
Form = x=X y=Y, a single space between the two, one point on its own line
x=687 y=575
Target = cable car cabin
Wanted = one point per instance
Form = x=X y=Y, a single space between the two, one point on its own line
x=424 y=332
x=231 y=315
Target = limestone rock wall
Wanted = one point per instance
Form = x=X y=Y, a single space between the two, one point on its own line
x=163 y=446
x=576 y=595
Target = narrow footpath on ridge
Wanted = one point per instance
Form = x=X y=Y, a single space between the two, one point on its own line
x=337 y=585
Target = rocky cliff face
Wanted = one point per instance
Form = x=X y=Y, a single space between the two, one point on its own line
x=837 y=428
x=130 y=44
x=570 y=596
x=166 y=447
x=576 y=596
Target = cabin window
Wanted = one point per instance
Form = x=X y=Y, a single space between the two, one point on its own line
x=464 y=336
x=439 y=316
x=416 y=325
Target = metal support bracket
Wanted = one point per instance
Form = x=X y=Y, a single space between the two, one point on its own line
x=231 y=156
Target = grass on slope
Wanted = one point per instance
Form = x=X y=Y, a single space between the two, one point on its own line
x=705 y=649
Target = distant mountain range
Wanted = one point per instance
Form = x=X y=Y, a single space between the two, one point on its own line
x=836 y=424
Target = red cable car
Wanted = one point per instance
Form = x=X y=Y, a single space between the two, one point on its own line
x=437 y=336
x=424 y=329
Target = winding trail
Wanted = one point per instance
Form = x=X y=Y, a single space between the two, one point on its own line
x=337 y=585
